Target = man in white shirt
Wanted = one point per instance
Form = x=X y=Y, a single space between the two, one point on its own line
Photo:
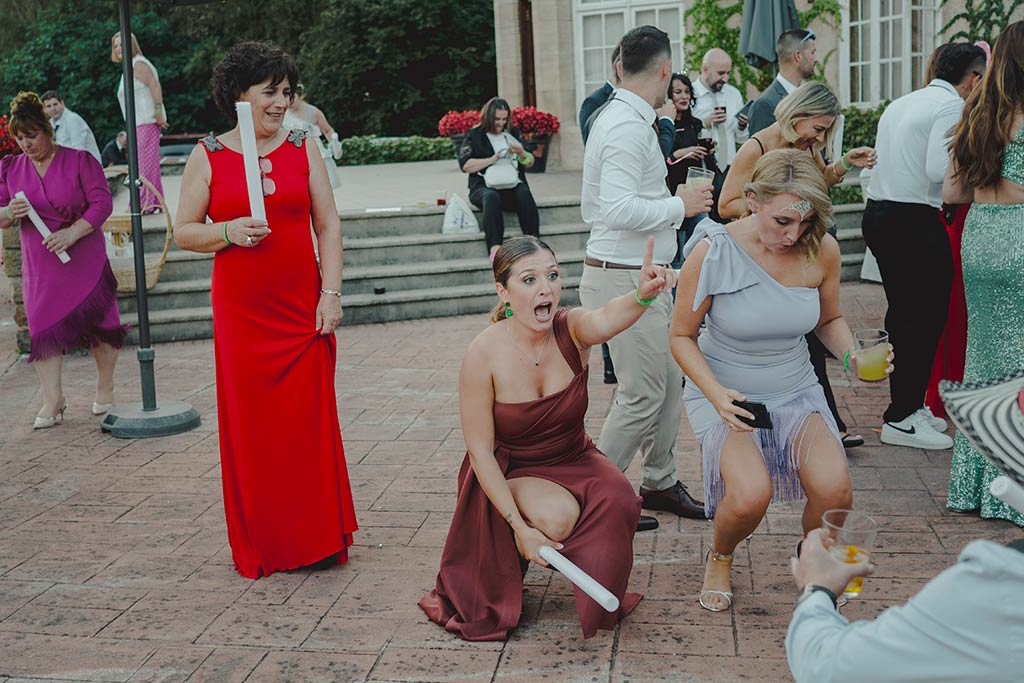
x=797 y=52
x=903 y=229
x=965 y=624
x=69 y=129
x=625 y=200
x=718 y=106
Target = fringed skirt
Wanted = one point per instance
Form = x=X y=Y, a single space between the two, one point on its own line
x=781 y=447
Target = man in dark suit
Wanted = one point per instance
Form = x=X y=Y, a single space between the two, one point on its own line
x=796 y=54
x=597 y=99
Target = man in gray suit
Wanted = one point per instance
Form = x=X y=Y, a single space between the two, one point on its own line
x=796 y=53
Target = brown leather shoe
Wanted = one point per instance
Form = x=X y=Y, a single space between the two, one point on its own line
x=673 y=499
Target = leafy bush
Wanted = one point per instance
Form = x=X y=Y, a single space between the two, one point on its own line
x=458 y=122
x=393 y=67
x=861 y=126
x=531 y=121
x=370 y=149
x=846 y=194
x=68 y=49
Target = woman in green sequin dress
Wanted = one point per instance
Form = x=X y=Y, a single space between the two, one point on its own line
x=987 y=168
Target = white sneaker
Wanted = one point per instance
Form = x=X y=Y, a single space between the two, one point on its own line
x=916 y=432
x=937 y=423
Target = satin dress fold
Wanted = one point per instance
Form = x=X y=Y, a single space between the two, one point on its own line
x=479 y=591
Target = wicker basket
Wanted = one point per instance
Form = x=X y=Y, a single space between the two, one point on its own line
x=120 y=228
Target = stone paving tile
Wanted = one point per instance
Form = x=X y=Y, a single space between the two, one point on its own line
x=114 y=563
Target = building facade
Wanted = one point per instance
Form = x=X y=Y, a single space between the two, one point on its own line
x=552 y=53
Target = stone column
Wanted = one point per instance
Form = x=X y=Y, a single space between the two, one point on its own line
x=556 y=79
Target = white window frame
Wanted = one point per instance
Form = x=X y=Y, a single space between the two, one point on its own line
x=629 y=10
x=906 y=57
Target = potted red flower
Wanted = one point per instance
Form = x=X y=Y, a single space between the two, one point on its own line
x=7 y=143
x=455 y=125
x=537 y=127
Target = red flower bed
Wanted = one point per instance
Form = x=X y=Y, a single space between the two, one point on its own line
x=457 y=122
x=7 y=143
x=533 y=122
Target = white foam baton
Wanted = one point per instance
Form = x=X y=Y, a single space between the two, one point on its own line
x=41 y=226
x=1008 y=491
x=251 y=159
x=580 y=578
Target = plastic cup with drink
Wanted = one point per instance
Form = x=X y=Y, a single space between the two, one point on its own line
x=699 y=178
x=872 y=346
x=853 y=534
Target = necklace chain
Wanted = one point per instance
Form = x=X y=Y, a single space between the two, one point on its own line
x=52 y=154
x=543 y=346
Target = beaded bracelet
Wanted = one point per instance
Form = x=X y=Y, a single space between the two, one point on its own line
x=331 y=292
x=224 y=232
x=643 y=302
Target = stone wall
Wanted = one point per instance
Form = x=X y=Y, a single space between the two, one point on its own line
x=12 y=267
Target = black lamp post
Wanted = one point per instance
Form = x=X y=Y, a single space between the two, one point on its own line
x=148 y=418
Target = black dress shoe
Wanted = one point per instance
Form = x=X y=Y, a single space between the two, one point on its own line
x=673 y=499
x=647 y=523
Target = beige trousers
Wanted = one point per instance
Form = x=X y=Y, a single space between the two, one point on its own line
x=648 y=402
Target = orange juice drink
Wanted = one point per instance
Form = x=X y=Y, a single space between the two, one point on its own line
x=871 y=363
x=851 y=554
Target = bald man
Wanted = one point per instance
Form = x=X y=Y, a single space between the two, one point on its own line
x=718 y=104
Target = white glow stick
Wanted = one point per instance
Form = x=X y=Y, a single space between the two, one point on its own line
x=1008 y=491
x=580 y=578
x=251 y=159
x=41 y=226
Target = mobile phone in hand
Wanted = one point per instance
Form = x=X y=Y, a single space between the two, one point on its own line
x=762 y=420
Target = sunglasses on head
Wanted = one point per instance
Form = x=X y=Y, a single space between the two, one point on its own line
x=810 y=36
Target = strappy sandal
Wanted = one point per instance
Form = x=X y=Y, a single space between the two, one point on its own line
x=717 y=557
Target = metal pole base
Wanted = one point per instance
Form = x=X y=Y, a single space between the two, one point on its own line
x=130 y=421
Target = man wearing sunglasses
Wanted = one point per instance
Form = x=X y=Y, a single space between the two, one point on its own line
x=796 y=52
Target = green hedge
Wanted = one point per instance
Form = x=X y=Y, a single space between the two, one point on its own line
x=370 y=149
x=861 y=125
x=846 y=194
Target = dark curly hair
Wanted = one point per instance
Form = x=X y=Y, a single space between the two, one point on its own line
x=27 y=115
x=247 y=64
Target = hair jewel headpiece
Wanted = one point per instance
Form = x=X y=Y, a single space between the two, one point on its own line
x=801 y=206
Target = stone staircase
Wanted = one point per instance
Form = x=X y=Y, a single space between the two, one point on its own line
x=398 y=266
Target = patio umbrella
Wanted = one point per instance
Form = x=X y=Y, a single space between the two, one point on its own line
x=763 y=22
x=148 y=418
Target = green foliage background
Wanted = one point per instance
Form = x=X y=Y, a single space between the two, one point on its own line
x=375 y=67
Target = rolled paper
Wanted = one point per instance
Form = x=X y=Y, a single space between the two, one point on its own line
x=251 y=159
x=580 y=578
x=1008 y=491
x=41 y=226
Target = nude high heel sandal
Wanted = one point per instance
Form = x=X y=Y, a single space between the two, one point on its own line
x=47 y=422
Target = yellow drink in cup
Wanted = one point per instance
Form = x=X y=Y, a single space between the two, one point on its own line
x=851 y=554
x=853 y=535
x=872 y=354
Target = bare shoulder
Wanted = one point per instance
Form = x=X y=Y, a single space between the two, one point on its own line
x=197 y=165
x=481 y=350
x=829 y=251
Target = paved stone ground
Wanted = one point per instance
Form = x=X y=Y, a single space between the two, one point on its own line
x=114 y=564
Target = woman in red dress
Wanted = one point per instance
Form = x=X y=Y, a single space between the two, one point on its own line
x=532 y=477
x=286 y=491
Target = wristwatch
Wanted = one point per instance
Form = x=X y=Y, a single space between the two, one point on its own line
x=810 y=589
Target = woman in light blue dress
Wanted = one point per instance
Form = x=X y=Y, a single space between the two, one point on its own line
x=758 y=286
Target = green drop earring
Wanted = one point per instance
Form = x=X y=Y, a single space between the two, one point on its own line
x=508 y=309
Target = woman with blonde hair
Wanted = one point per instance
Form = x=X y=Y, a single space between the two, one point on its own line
x=150 y=118
x=987 y=168
x=805 y=120
x=759 y=285
x=532 y=477
x=68 y=304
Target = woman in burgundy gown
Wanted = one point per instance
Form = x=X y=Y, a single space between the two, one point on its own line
x=287 y=498
x=532 y=476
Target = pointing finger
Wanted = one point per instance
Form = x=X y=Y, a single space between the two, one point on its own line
x=649 y=254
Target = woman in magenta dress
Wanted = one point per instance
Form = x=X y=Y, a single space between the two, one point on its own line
x=287 y=498
x=532 y=477
x=73 y=304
